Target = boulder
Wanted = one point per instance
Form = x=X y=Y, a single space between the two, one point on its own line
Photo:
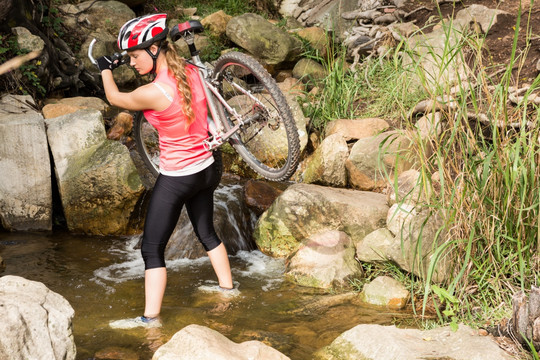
x=98 y=182
x=356 y=129
x=36 y=322
x=375 y=246
x=25 y=169
x=317 y=38
x=79 y=102
x=386 y=291
x=195 y=342
x=264 y=40
x=26 y=40
x=259 y=195
x=309 y=71
x=216 y=23
x=416 y=243
x=375 y=158
x=304 y=210
x=106 y=15
x=406 y=188
x=377 y=342
x=327 y=164
x=325 y=260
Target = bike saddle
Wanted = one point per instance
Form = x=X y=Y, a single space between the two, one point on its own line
x=180 y=30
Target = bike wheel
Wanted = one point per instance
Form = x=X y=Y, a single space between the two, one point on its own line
x=268 y=137
x=147 y=140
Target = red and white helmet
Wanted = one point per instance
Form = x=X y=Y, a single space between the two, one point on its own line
x=141 y=32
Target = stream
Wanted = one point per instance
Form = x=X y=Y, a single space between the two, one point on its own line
x=102 y=278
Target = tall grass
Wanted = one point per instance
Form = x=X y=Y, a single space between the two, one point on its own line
x=481 y=173
x=486 y=164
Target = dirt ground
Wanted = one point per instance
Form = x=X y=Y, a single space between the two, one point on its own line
x=500 y=38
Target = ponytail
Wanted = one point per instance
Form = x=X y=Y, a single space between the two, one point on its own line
x=177 y=65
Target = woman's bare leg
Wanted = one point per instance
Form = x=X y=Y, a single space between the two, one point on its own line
x=155 y=281
x=220 y=263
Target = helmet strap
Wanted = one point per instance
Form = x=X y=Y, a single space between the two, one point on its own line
x=154 y=58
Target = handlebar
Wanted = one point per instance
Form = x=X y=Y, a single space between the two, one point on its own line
x=115 y=56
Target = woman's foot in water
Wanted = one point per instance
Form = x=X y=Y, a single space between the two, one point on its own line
x=140 y=321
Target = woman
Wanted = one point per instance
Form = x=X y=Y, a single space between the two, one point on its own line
x=174 y=103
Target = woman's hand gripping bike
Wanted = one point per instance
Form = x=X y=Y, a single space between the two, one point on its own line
x=246 y=108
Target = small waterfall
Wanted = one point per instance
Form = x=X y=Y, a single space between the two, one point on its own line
x=233 y=220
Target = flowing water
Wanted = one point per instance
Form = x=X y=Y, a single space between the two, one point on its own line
x=102 y=278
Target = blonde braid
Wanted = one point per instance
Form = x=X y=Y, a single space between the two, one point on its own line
x=177 y=65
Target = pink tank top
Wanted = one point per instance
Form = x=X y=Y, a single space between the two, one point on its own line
x=180 y=147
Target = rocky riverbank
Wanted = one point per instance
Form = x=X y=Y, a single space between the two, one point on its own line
x=342 y=209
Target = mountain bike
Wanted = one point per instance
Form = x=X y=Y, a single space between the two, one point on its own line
x=246 y=108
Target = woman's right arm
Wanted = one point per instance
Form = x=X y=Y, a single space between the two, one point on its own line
x=142 y=98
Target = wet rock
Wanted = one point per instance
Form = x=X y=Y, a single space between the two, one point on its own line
x=36 y=322
x=325 y=260
x=25 y=169
x=355 y=129
x=385 y=291
x=195 y=342
x=263 y=39
x=304 y=210
x=327 y=164
x=98 y=182
x=259 y=195
x=378 y=342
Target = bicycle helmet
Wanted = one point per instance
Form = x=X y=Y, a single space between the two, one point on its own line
x=142 y=32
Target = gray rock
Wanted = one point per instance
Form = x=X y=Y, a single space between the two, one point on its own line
x=264 y=40
x=356 y=129
x=386 y=291
x=375 y=246
x=373 y=159
x=309 y=71
x=98 y=182
x=26 y=40
x=25 y=172
x=376 y=342
x=324 y=260
x=304 y=210
x=195 y=342
x=327 y=164
x=36 y=322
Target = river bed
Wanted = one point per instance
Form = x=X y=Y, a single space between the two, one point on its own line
x=102 y=278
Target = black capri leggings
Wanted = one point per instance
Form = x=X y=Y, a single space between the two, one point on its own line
x=169 y=196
